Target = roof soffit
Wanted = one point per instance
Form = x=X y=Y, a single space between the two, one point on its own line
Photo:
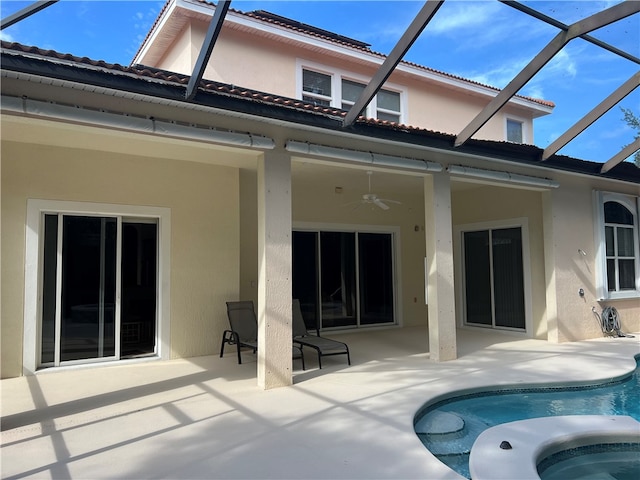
x=267 y=117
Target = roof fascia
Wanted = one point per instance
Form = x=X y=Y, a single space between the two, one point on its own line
x=377 y=59
x=239 y=19
x=151 y=39
x=161 y=92
x=476 y=88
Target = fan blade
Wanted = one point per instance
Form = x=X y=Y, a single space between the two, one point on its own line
x=379 y=203
x=391 y=201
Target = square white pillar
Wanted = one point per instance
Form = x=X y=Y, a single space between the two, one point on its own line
x=440 y=268
x=274 y=271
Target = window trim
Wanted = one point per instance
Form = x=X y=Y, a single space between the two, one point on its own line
x=519 y=120
x=394 y=231
x=337 y=75
x=321 y=97
x=34 y=235
x=633 y=205
x=458 y=246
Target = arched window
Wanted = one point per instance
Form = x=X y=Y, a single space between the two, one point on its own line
x=619 y=276
x=620 y=247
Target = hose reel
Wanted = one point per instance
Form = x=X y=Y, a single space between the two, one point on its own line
x=610 y=322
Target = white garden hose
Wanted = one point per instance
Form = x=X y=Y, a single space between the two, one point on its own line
x=610 y=322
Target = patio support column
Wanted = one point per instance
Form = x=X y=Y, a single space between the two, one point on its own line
x=274 y=271
x=439 y=247
x=549 y=220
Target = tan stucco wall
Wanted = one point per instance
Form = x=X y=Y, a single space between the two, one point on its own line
x=203 y=200
x=445 y=110
x=183 y=53
x=268 y=66
x=569 y=213
x=249 y=236
x=494 y=204
x=239 y=60
x=560 y=222
x=314 y=202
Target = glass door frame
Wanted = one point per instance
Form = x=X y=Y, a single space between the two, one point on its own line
x=34 y=236
x=461 y=307
x=57 y=362
x=395 y=267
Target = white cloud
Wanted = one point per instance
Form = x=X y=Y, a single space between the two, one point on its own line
x=499 y=75
x=563 y=64
x=6 y=37
x=534 y=91
x=553 y=136
x=562 y=67
x=615 y=133
x=463 y=16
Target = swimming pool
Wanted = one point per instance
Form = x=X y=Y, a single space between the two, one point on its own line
x=450 y=427
x=620 y=461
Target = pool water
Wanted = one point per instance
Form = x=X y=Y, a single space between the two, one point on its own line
x=483 y=410
x=618 y=461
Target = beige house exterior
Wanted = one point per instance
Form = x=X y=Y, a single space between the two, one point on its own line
x=264 y=52
x=186 y=205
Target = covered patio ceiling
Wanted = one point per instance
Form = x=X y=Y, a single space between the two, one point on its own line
x=581 y=29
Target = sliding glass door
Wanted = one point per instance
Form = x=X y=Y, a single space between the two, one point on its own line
x=338 y=279
x=344 y=279
x=375 y=268
x=494 y=278
x=99 y=288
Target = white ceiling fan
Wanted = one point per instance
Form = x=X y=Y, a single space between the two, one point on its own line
x=370 y=198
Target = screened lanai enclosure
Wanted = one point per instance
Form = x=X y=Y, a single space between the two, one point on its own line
x=138 y=199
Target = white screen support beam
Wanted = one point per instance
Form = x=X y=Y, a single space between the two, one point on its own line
x=625 y=153
x=408 y=38
x=207 y=47
x=586 y=25
x=25 y=12
x=625 y=89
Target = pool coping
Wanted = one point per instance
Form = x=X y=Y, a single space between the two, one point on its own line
x=532 y=440
x=508 y=388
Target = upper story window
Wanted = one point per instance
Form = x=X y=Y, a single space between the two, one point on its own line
x=388 y=106
x=619 y=273
x=351 y=91
x=316 y=87
x=340 y=90
x=514 y=131
x=387 y=102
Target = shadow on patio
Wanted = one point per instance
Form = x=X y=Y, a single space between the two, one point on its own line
x=206 y=418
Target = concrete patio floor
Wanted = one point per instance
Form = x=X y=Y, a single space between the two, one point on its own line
x=205 y=417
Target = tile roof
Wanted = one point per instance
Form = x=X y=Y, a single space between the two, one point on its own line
x=358 y=45
x=337 y=39
x=109 y=74
x=304 y=28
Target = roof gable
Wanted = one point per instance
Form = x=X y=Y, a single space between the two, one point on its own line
x=177 y=13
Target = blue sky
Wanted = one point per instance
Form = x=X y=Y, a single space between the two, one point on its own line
x=483 y=40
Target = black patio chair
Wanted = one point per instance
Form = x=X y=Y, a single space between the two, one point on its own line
x=243 y=331
x=323 y=346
